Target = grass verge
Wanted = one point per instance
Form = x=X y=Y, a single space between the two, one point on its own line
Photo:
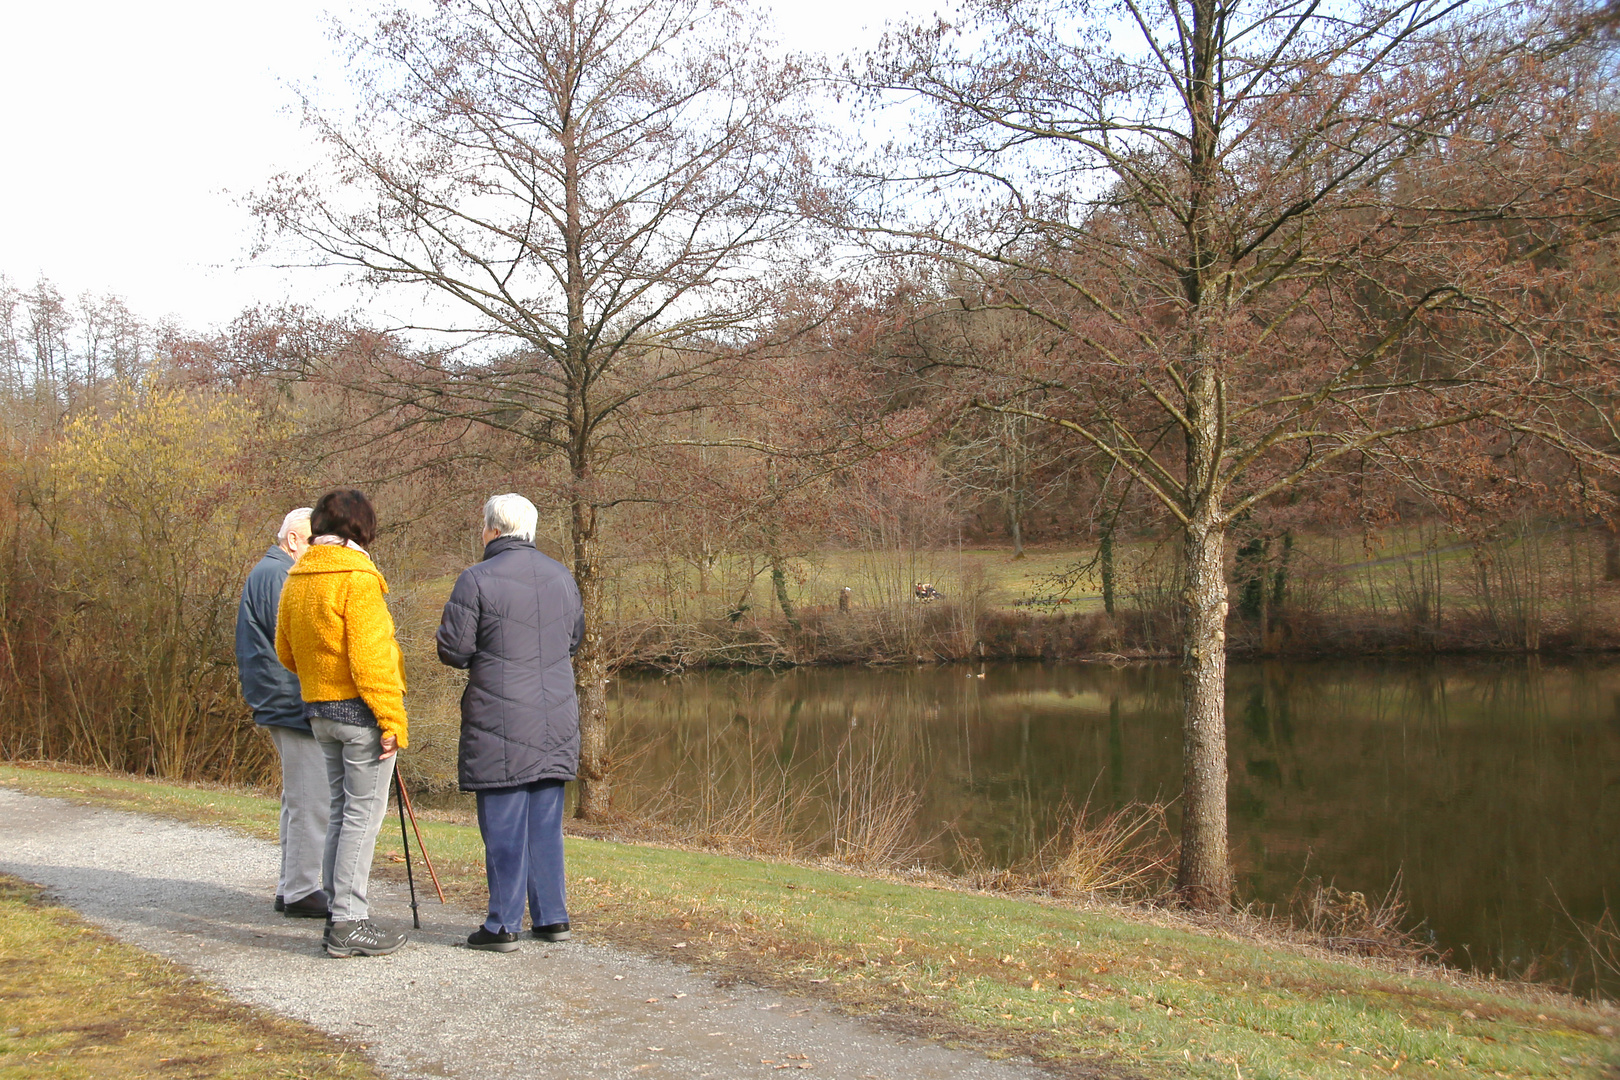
x=75 y=1002
x=1089 y=991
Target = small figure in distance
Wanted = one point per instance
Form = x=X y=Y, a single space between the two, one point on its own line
x=335 y=633
x=271 y=691
x=843 y=598
x=514 y=621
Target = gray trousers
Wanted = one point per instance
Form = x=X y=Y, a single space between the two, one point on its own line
x=358 y=784
x=305 y=803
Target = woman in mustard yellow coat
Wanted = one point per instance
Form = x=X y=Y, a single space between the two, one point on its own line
x=334 y=632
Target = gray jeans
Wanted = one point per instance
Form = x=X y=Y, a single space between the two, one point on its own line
x=305 y=805
x=359 y=790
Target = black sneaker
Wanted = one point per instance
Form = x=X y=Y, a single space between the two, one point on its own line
x=361 y=937
x=312 y=906
x=281 y=902
x=557 y=931
x=485 y=938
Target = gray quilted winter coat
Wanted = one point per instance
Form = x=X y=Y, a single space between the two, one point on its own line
x=514 y=621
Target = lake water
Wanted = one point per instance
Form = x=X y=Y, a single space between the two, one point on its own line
x=1492 y=786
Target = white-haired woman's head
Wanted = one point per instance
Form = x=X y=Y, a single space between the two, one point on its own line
x=511 y=515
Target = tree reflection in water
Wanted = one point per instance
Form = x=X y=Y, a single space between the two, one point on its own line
x=1490 y=784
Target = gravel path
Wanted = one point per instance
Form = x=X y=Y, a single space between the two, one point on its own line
x=438 y=1009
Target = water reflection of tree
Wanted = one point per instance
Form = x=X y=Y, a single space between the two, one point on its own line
x=1479 y=779
x=1485 y=780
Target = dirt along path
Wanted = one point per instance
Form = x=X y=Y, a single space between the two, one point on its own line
x=201 y=896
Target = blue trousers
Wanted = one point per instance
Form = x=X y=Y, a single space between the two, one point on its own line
x=523 y=854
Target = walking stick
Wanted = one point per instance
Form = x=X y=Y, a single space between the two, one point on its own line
x=410 y=879
x=405 y=799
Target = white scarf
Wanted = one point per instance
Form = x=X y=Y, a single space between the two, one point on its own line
x=338 y=541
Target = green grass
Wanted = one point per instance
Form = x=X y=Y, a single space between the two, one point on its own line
x=75 y=1002
x=1003 y=578
x=1129 y=992
x=1372 y=570
x=876 y=579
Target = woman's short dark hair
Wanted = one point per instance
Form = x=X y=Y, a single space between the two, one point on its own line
x=346 y=513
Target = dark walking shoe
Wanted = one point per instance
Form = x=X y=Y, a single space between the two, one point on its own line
x=361 y=937
x=312 y=906
x=281 y=902
x=557 y=931
x=485 y=938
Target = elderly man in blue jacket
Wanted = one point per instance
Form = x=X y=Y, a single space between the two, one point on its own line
x=514 y=621
x=271 y=691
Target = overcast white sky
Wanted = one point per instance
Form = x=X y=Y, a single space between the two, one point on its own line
x=131 y=129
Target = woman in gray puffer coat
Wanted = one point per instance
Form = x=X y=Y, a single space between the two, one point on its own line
x=514 y=621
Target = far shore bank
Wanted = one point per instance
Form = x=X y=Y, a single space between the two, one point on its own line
x=947 y=633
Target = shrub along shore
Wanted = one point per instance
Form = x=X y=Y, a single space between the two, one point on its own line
x=1082 y=986
x=943 y=633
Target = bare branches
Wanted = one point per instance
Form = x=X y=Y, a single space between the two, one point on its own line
x=1371 y=173
x=1297 y=235
x=605 y=190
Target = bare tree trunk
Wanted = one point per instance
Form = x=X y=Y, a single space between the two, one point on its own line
x=1279 y=586
x=779 y=582
x=591 y=662
x=1015 y=431
x=1261 y=584
x=773 y=545
x=1611 y=553
x=591 y=668
x=1271 y=626
x=1204 y=879
x=1106 y=557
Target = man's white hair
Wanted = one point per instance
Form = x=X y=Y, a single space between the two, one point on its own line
x=511 y=515
x=295 y=517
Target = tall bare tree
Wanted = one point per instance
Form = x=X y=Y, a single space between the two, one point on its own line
x=1267 y=238
x=602 y=188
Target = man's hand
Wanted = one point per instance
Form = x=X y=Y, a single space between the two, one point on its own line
x=390 y=747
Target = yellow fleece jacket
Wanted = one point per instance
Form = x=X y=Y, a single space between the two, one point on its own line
x=334 y=632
